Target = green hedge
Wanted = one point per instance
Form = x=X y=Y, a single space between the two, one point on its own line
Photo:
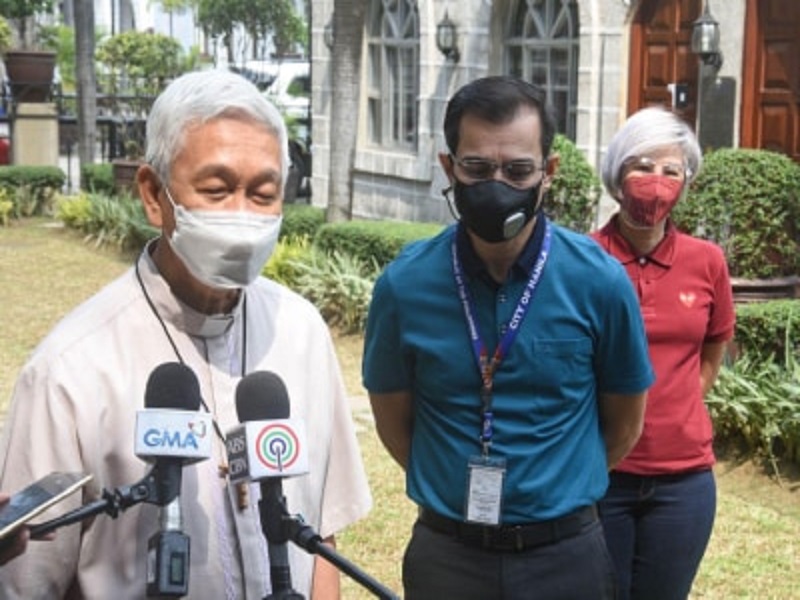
x=98 y=178
x=748 y=202
x=367 y=241
x=575 y=192
x=301 y=221
x=31 y=189
x=768 y=330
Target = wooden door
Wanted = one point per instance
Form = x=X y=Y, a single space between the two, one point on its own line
x=661 y=54
x=771 y=77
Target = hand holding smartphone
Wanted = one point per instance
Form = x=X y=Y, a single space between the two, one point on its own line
x=36 y=498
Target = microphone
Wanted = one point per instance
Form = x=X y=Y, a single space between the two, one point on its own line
x=170 y=432
x=266 y=447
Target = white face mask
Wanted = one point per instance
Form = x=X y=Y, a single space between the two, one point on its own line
x=223 y=249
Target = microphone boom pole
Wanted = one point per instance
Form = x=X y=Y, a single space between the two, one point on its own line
x=302 y=534
x=112 y=503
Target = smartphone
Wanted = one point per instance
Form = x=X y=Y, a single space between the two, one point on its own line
x=38 y=497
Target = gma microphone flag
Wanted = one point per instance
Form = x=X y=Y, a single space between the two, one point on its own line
x=263 y=449
x=163 y=433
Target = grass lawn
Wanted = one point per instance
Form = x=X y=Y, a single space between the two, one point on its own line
x=754 y=551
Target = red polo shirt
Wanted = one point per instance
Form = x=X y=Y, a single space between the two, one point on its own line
x=685 y=295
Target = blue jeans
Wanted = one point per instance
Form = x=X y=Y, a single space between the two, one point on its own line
x=657 y=529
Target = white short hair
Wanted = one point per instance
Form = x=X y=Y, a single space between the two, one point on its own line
x=645 y=132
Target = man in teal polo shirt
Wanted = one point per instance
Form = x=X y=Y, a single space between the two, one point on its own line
x=507 y=369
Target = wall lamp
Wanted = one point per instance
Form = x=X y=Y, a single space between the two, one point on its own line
x=327 y=34
x=705 y=39
x=447 y=38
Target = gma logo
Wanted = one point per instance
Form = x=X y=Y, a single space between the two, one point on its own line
x=164 y=438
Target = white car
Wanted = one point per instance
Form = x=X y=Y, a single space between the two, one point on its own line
x=291 y=89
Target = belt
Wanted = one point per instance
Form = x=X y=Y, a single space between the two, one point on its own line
x=511 y=538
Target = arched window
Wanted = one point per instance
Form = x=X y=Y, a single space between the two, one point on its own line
x=542 y=47
x=392 y=73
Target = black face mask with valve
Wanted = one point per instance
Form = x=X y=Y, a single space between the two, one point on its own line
x=494 y=210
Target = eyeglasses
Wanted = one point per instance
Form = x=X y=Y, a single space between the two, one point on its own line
x=482 y=168
x=643 y=164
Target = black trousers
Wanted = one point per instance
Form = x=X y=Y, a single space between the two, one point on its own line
x=440 y=567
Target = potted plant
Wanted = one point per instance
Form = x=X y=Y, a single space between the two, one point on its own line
x=29 y=68
x=748 y=202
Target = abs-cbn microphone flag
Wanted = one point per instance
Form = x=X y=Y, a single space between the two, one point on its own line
x=264 y=449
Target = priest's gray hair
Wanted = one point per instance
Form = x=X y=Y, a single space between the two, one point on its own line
x=201 y=96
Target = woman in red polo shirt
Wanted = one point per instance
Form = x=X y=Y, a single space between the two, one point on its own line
x=659 y=509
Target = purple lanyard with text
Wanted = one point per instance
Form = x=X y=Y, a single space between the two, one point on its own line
x=487 y=367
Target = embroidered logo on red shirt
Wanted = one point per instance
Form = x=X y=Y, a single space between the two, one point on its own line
x=687 y=298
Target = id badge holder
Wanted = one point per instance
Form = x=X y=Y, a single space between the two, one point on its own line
x=485 y=477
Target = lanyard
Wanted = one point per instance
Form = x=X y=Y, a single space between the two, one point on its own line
x=486 y=366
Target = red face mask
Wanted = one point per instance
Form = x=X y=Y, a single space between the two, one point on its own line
x=649 y=198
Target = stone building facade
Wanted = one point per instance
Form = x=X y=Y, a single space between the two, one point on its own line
x=600 y=59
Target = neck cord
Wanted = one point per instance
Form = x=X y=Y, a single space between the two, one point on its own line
x=154 y=310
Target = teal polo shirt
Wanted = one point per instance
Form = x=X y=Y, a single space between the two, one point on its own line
x=582 y=335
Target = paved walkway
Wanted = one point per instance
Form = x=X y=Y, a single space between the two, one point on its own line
x=362 y=414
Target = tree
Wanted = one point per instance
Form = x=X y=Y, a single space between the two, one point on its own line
x=261 y=19
x=279 y=18
x=219 y=20
x=174 y=6
x=86 y=80
x=348 y=28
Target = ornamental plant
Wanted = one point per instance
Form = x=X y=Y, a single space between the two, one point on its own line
x=19 y=13
x=748 y=202
x=141 y=62
x=6 y=37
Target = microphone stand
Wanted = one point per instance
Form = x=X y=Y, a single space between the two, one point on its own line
x=302 y=534
x=113 y=502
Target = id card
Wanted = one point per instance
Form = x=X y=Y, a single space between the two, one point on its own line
x=484 y=495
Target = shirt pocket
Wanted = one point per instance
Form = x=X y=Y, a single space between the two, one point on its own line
x=559 y=373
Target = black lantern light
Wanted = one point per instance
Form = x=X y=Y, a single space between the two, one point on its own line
x=447 y=38
x=705 y=39
x=327 y=34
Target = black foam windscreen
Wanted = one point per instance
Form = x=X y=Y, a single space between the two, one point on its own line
x=172 y=386
x=262 y=396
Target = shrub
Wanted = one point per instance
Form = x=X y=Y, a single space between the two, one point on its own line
x=301 y=221
x=769 y=330
x=74 y=211
x=572 y=200
x=372 y=240
x=119 y=221
x=340 y=286
x=748 y=202
x=757 y=405
x=98 y=178
x=283 y=264
x=32 y=189
x=6 y=207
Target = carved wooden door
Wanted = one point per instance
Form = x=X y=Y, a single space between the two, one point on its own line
x=661 y=54
x=771 y=78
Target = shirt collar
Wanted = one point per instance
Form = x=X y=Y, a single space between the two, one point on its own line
x=616 y=245
x=176 y=312
x=473 y=266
